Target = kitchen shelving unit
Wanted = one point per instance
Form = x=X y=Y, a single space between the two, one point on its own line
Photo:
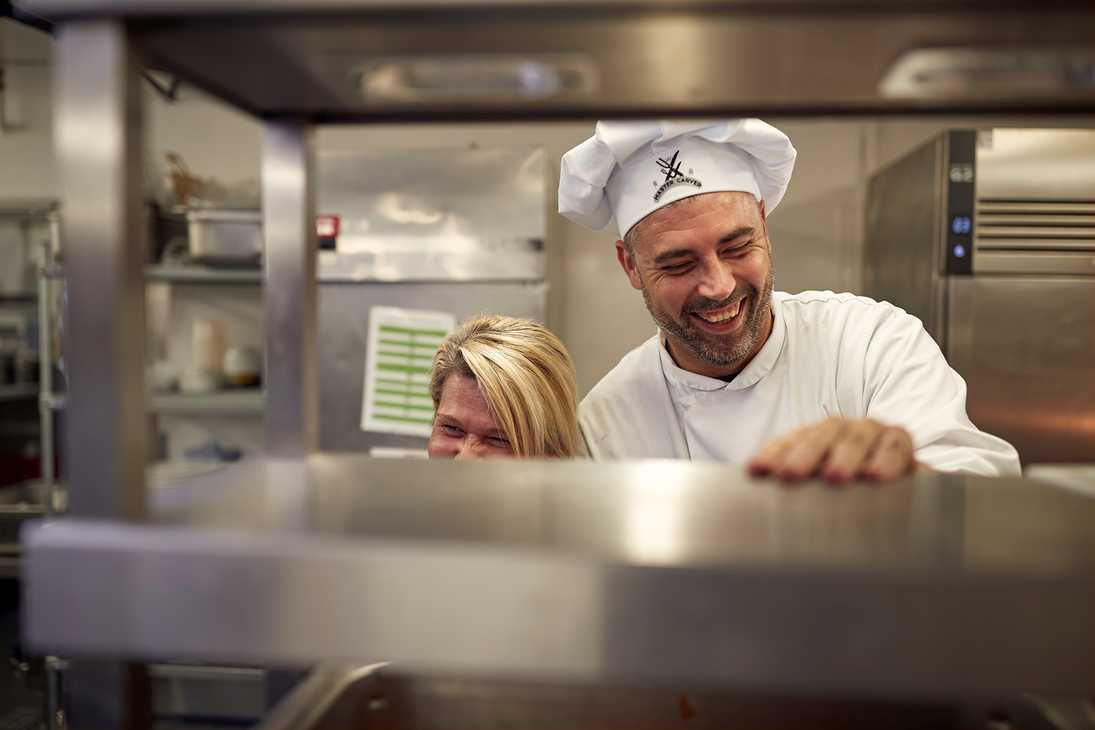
x=584 y=573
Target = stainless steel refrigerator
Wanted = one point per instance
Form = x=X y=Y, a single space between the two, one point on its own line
x=988 y=236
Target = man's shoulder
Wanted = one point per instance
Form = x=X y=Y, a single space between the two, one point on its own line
x=614 y=415
x=619 y=381
x=833 y=312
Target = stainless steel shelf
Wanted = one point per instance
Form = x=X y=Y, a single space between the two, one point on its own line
x=12 y=518
x=27 y=210
x=18 y=392
x=350 y=61
x=645 y=573
x=19 y=299
x=223 y=402
x=187 y=275
x=203 y=275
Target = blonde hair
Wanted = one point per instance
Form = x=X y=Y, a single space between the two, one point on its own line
x=526 y=377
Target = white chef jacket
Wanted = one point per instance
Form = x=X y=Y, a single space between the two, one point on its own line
x=828 y=355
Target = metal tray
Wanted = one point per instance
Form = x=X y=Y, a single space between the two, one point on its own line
x=225 y=237
x=377 y=697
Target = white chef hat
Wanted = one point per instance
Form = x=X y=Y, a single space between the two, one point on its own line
x=627 y=170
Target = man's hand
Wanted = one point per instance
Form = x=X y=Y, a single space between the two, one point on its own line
x=837 y=450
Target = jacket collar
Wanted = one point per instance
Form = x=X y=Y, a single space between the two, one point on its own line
x=759 y=367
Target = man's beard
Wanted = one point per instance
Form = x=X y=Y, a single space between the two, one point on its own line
x=720 y=351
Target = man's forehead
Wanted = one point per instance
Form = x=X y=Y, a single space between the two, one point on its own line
x=731 y=210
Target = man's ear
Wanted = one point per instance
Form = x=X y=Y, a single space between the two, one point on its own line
x=627 y=263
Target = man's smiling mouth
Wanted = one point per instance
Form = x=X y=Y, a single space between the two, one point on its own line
x=721 y=315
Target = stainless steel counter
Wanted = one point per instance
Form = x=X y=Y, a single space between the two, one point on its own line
x=651 y=573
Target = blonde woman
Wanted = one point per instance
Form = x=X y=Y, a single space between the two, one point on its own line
x=503 y=386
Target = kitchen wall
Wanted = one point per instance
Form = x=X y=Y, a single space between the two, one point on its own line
x=26 y=140
x=816 y=230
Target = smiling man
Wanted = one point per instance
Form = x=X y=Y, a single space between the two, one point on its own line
x=815 y=384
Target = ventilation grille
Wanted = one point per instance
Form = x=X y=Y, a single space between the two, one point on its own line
x=1034 y=226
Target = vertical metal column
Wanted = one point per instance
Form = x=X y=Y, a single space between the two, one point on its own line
x=288 y=216
x=45 y=366
x=98 y=126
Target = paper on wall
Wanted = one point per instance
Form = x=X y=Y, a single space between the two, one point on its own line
x=399 y=353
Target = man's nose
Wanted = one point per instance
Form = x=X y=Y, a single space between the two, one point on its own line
x=717 y=280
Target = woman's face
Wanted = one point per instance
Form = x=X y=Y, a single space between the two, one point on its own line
x=464 y=427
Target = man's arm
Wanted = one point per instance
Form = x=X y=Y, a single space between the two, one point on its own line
x=914 y=416
x=907 y=381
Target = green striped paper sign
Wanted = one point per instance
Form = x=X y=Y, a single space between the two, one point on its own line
x=399 y=354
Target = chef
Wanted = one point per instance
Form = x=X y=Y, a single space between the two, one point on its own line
x=795 y=386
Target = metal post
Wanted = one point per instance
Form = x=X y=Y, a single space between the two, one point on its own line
x=288 y=210
x=98 y=128
x=45 y=371
x=99 y=133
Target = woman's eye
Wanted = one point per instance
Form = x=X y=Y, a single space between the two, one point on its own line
x=499 y=442
x=452 y=431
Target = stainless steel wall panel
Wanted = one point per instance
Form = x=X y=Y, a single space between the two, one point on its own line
x=1037 y=165
x=904 y=237
x=344 y=314
x=422 y=215
x=492 y=261
x=1025 y=348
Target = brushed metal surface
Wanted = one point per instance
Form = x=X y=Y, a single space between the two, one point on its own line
x=648 y=59
x=1037 y=166
x=1035 y=202
x=98 y=119
x=905 y=227
x=289 y=295
x=1037 y=262
x=434 y=215
x=652 y=573
x=1024 y=345
x=490 y=260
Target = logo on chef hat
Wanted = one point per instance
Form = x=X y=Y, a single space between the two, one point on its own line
x=671 y=168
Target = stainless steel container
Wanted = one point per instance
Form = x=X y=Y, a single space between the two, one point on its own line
x=225 y=237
